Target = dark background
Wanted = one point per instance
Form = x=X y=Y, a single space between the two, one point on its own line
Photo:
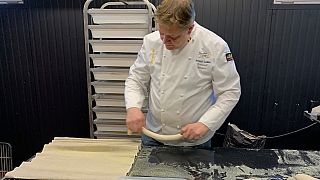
x=43 y=74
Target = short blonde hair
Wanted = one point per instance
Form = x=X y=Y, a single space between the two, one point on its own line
x=179 y=12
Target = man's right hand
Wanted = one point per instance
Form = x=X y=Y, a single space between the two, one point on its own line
x=135 y=119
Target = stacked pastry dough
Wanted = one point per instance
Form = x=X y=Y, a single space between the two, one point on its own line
x=75 y=158
x=302 y=177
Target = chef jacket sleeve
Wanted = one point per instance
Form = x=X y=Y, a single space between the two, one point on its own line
x=226 y=85
x=137 y=83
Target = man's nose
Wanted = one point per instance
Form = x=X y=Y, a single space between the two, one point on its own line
x=166 y=39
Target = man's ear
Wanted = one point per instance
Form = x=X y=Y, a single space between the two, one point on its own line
x=190 y=28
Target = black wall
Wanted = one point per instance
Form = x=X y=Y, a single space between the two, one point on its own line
x=43 y=77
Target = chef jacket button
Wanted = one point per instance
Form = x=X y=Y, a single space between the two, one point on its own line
x=162 y=110
x=178 y=126
x=181 y=95
x=189 y=58
x=162 y=92
x=178 y=112
x=185 y=77
x=163 y=74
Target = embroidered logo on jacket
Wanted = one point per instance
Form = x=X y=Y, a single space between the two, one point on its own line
x=152 y=56
x=229 y=57
x=203 y=59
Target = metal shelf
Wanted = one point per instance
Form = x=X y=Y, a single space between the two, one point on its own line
x=114 y=34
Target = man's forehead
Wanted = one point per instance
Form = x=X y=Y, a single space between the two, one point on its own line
x=170 y=29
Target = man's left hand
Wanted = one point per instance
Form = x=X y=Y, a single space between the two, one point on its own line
x=194 y=131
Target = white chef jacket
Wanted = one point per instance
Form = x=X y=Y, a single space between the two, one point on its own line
x=181 y=84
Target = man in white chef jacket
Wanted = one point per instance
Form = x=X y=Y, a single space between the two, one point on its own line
x=190 y=77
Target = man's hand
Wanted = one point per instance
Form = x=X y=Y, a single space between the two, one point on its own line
x=194 y=131
x=135 y=120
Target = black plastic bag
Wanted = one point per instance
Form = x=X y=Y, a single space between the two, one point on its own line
x=237 y=138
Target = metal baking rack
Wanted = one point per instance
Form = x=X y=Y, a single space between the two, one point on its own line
x=113 y=33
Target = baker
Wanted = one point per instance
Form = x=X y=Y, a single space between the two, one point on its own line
x=189 y=76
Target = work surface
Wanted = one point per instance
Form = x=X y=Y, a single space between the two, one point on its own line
x=222 y=163
x=77 y=158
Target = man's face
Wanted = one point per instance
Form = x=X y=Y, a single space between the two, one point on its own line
x=173 y=36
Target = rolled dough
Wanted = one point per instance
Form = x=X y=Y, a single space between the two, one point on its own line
x=161 y=137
